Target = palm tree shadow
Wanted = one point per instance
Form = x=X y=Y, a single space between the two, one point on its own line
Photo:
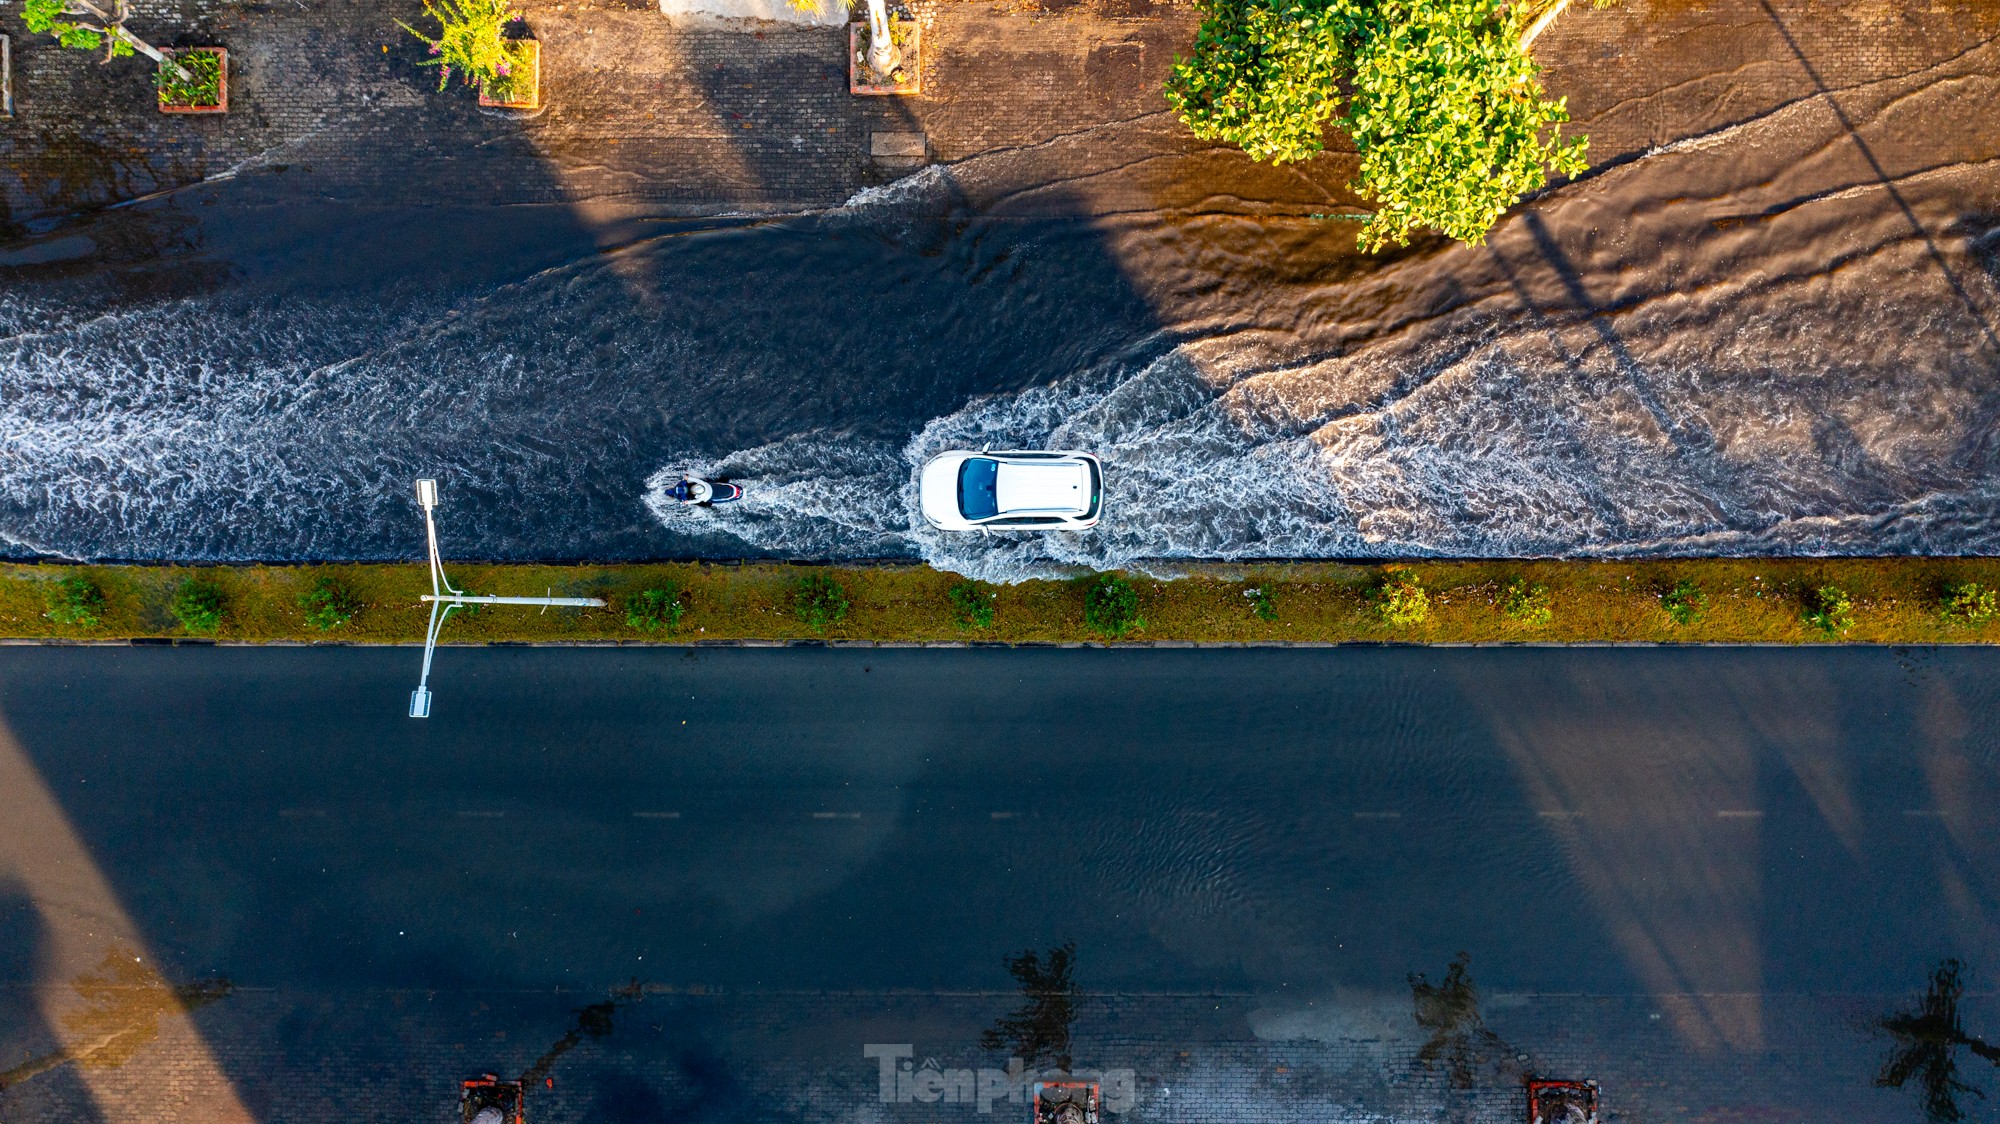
x=592 y=1022
x=1040 y=1028
x=1928 y=1040
x=1459 y=1040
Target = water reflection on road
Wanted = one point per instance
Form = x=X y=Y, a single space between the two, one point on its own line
x=1336 y=885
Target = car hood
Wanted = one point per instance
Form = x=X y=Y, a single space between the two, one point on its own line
x=937 y=490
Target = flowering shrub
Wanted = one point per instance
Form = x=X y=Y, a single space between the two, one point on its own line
x=468 y=41
x=1969 y=602
x=1527 y=602
x=1830 y=610
x=1401 y=601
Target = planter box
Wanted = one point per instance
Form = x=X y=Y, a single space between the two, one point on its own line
x=529 y=60
x=221 y=80
x=860 y=79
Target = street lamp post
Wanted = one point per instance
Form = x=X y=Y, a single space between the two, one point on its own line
x=444 y=599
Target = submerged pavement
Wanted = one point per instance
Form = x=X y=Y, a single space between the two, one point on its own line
x=1658 y=359
x=1352 y=884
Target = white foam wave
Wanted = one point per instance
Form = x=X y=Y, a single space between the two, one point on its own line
x=918 y=187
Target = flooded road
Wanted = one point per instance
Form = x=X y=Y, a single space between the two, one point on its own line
x=1773 y=336
x=1314 y=885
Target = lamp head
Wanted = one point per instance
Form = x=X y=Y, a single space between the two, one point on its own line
x=427 y=493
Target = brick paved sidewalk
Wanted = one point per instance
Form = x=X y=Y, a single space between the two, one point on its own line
x=675 y=1054
x=1055 y=108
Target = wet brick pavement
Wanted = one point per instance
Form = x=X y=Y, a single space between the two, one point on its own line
x=1045 y=110
x=663 y=1054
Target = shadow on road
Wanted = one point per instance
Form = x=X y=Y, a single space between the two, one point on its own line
x=1928 y=1039
x=1040 y=1029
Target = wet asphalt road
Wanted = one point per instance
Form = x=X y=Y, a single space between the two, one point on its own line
x=1717 y=840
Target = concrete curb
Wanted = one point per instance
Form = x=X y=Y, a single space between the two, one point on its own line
x=1011 y=645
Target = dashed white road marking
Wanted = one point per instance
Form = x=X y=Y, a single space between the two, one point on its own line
x=1378 y=815
x=836 y=815
x=470 y=815
x=1739 y=814
x=656 y=815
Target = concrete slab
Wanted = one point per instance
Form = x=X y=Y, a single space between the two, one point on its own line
x=722 y=13
x=897 y=144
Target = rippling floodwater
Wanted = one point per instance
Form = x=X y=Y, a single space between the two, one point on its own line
x=1746 y=343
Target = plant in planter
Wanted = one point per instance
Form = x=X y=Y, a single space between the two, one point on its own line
x=206 y=87
x=193 y=80
x=471 y=42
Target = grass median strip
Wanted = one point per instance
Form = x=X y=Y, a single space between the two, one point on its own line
x=1899 y=601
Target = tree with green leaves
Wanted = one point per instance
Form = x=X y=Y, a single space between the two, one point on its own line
x=1444 y=105
x=85 y=26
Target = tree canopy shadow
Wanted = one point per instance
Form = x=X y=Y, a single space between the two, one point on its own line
x=1040 y=1028
x=1459 y=1042
x=593 y=1021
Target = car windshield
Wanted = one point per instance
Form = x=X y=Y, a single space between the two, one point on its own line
x=975 y=488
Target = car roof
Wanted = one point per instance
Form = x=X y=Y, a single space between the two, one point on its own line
x=1057 y=486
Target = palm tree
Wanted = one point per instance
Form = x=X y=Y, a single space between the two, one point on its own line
x=1929 y=1039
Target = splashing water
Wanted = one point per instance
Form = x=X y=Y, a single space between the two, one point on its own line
x=1628 y=367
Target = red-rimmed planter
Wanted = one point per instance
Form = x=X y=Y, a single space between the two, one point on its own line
x=221 y=81
x=528 y=58
x=858 y=70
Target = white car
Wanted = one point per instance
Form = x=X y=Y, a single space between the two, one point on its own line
x=1013 y=491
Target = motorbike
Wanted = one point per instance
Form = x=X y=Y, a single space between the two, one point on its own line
x=696 y=492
